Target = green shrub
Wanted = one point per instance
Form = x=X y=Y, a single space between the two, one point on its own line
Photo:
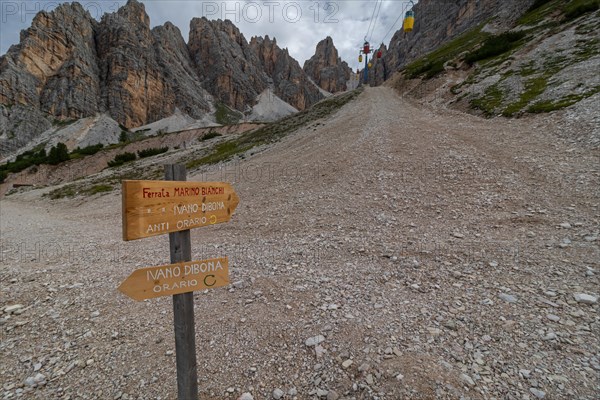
x=58 y=154
x=3 y=175
x=537 y=4
x=121 y=159
x=123 y=137
x=434 y=69
x=227 y=116
x=25 y=160
x=494 y=46
x=88 y=150
x=577 y=8
x=210 y=135
x=102 y=188
x=152 y=151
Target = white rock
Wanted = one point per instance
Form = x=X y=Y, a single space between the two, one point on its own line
x=13 y=308
x=277 y=394
x=537 y=393
x=467 y=379
x=585 y=298
x=347 y=364
x=315 y=340
x=508 y=297
x=565 y=225
x=246 y=396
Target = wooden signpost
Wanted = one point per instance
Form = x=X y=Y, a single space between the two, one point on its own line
x=175 y=206
x=153 y=208
x=151 y=282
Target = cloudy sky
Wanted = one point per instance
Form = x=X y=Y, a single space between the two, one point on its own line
x=298 y=25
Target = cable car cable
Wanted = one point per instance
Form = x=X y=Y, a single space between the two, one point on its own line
x=371 y=21
x=376 y=18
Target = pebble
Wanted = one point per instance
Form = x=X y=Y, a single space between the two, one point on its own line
x=13 y=308
x=585 y=298
x=332 y=395
x=467 y=379
x=38 y=379
x=537 y=393
x=553 y=318
x=508 y=297
x=246 y=396
x=277 y=394
x=95 y=314
x=550 y=336
x=347 y=364
x=315 y=340
x=458 y=235
x=565 y=225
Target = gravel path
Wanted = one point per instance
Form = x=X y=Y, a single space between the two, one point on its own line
x=390 y=251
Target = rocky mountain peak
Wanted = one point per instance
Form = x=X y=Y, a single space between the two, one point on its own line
x=326 y=68
x=135 y=12
x=68 y=66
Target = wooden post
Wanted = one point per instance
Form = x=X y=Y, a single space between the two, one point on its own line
x=183 y=307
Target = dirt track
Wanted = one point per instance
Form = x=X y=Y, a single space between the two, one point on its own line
x=396 y=231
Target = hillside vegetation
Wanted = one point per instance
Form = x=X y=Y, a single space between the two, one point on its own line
x=547 y=61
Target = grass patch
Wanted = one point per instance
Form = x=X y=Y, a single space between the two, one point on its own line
x=539 y=11
x=221 y=152
x=586 y=49
x=533 y=88
x=495 y=46
x=74 y=190
x=153 y=151
x=569 y=100
x=227 y=116
x=433 y=63
x=63 y=122
x=274 y=131
x=577 y=8
x=65 y=191
x=210 y=135
x=97 y=189
x=490 y=101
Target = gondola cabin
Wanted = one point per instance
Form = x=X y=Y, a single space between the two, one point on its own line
x=366 y=48
x=409 y=21
x=360 y=58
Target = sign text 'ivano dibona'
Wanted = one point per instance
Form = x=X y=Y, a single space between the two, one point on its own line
x=153 y=208
x=183 y=277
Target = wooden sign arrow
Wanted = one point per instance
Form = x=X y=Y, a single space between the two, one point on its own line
x=153 y=208
x=166 y=280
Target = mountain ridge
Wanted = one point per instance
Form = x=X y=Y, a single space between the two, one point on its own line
x=69 y=66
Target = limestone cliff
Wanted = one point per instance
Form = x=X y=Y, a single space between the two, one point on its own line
x=326 y=68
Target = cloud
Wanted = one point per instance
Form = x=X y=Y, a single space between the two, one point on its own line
x=297 y=25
